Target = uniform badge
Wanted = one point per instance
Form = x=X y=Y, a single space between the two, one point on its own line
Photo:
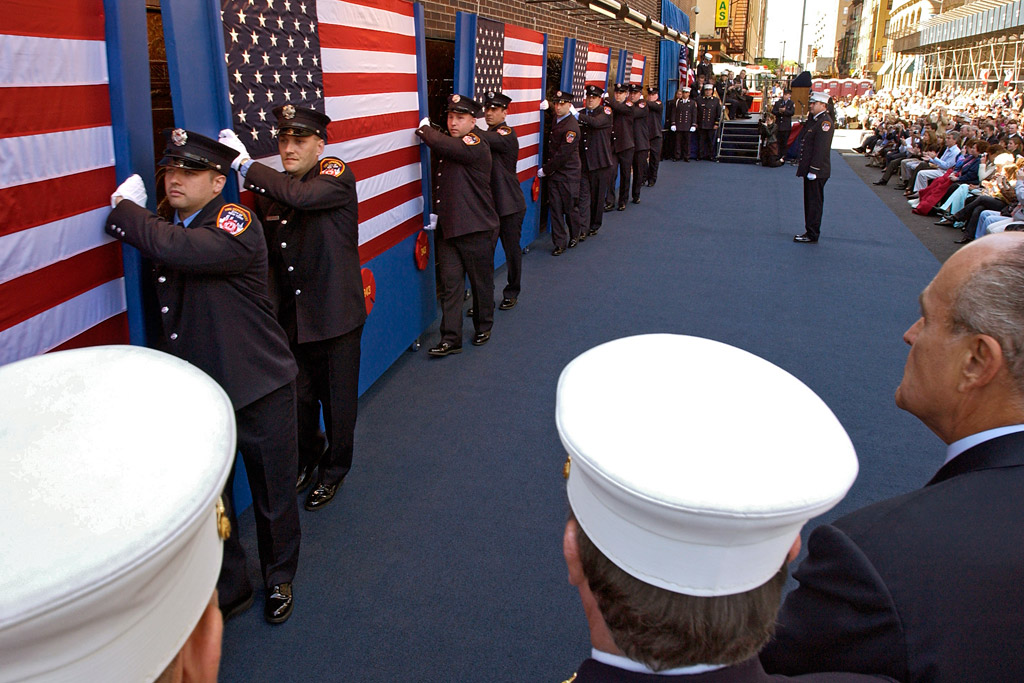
x=608 y=110
x=826 y=126
x=570 y=136
x=455 y=98
x=234 y=219
x=179 y=137
x=332 y=166
x=471 y=139
x=641 y=104
x=288 y=111
x=504 y=130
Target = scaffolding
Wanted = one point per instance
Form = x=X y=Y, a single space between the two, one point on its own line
x=980 y=63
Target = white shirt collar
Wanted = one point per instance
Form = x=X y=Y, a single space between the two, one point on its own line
x=620 y=662
x=957 y=447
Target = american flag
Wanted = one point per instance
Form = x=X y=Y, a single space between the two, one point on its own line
x=353 y=60
x=588 y=65
x=509 y=59
x=636 y=68
x=61 y=277
x=685 y=73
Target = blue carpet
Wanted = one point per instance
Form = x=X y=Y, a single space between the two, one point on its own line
x=440 y=560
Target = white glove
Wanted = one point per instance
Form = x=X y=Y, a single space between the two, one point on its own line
x=812 y=176
x=540 y=172
x=574 y=111
x=544 y=105
x=673 y=129
x=693 y=128
x=425 y=121
x=131 y=189
x=604 y=95
x=228 y=138
x=432 y=225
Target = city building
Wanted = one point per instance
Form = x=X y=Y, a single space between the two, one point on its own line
x=906 y=18
x=743 y=40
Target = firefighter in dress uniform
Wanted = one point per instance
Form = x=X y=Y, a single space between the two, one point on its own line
x=641 y=139
x=656 y=134
x=596 y=156
x=709 y=113
x=683 y=123
x=562 y=169
x=622 y=145
x=815 y=165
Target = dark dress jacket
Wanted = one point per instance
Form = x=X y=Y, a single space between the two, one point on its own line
x=211 y=286
x=816 y=147
x=654 y=120
x=505 y=188
x=463 y=200
x=684 y=115
x=596 y=138
x=709 y=111
x=783 y=111
x=641 y=126
x=927 y=586
x=312 y=230
x=563 y=163
x=622 y=125
x=750 y=671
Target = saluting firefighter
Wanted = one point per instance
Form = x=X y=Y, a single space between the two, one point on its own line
x=508 y=194
x=784 y=109
x=309 y=216
x=466 y=222
x=683 y=123
x=709 y=113
x=641 y=138
x=622 y=145
x=815 y=165
x=562 y=169
x=211 y=286
x=596 y=156
x=654 y=108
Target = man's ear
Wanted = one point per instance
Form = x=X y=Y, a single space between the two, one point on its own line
x=320 y=146
x=794 y=550
x=218 y=181
x=983 y=362
x=571 y=551
x=200 y=656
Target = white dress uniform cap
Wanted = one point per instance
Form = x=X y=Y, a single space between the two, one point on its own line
x=112 y=461
x=819 y=97
x=694 y=464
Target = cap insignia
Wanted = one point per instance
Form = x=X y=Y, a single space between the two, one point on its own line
x=223 y=523
x=288 y=112
x=567 y=466
x=455 y=98
x=179 y=137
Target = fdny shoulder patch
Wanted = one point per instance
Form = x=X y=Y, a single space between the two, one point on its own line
x=504 y=130
x=608 y=110
x=641 y=104
x=471 y=139
x=234 y=219
x=826 y=126
x=629 y=104
x=570 y=136
x=332 y=166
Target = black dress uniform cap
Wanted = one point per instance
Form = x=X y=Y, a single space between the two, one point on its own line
x=621 y=87
x=636 y=87
x=560 y=96
x=186 y=149
x=301 y=121
x=497 y=99
x=465 y=105
x=652 y=90
x=594 y=91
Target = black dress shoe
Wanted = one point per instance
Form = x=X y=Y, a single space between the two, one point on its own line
x=305 y=479
x=279 y=603
x=323 y=494
x=609 y=207
x=572 y=244
x=482 y=338
x=591 y=232
x=805 y=239
x=582 y=237
x=558 y=251
x=964 y=240
x=508 y=303
x=469 y=312
x=621 y=207
x=686 y=159
x=444 y=349
x=233 y=609
x=636 y=200
x=881 y=182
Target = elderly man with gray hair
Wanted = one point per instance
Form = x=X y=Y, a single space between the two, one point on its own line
x=929 y=586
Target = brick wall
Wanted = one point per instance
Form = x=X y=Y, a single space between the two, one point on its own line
x=555 y=20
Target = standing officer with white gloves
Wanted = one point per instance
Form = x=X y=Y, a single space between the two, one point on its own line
x=815 y=165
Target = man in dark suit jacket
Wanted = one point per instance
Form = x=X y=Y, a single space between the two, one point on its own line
x=929 y=586
x=309 y=215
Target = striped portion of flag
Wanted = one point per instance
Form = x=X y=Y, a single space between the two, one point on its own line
x=365 y=53
x=636 y=69
x=523 y=81
x=597 y=65
x=685 y=72
x=61 y=277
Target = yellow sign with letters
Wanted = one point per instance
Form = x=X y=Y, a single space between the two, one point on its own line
x=722 y=14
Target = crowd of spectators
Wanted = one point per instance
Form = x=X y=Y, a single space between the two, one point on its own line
x=956 y=153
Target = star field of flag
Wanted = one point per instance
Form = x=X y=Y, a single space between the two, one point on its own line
x=490 y=51
x=579 y=73
x=273 y=58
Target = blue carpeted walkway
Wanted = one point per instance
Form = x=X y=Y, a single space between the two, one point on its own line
x=440 y=560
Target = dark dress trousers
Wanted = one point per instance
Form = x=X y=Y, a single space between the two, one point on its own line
x=466 y=223
x=597 y=159
x=684 y=117
x=563 y=172
x=655 y=134
x=815 y=158
x=508 y=201
x=709 y=113
x=641 y=144
x=783 y=110
x=750 y=671
x=211 y=286
x=622 y=145
x=312 y=231
x=927 y=586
